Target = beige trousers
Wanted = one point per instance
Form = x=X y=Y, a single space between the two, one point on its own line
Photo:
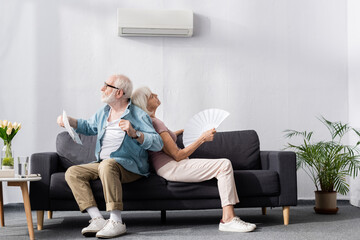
x=111 y=174
x=201 y=169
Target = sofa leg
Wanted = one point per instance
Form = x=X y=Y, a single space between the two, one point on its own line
x=286 y=214
x=263 y=210
x=40 y=220
x=50 y=213
x=163 y=216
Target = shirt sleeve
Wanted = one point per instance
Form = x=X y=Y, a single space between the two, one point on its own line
x=90 y=126
x=159 y=126
x=152 y=140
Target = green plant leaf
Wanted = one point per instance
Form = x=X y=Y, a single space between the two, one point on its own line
x=327 y=163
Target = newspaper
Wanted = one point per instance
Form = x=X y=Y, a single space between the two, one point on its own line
x=70 y=130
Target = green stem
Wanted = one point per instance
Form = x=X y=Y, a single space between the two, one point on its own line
x=8 y=152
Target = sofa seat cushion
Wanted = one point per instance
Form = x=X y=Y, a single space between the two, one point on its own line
x=249 y=183
x=153 y=187
x=257 y=183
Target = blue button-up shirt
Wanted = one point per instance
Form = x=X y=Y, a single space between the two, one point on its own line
x=131 y=154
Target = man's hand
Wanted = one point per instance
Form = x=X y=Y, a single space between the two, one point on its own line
x=72 y=121
x=60 y=121
x=126 y=126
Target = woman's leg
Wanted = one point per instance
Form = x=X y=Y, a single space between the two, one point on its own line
x=198 y=170
x=228 y=213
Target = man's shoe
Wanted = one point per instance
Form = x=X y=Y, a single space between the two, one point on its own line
x=236 y=225
x=112 y=229
x=96 y=224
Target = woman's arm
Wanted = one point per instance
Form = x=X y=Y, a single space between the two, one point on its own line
x=171 y=149
x=178 y=132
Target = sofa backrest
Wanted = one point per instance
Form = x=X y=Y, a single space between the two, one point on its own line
x=72 y=153
x=242 y=148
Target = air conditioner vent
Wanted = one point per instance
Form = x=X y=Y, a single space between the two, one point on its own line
x=139 y=22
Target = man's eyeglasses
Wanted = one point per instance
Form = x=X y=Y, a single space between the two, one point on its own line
x=108 y=85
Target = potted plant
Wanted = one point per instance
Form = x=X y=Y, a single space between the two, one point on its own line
x=8 y=131
x=327 y=162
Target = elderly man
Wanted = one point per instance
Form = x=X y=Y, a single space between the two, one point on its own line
x=124 y=133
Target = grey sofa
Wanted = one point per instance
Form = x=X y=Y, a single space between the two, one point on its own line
x=263 y=178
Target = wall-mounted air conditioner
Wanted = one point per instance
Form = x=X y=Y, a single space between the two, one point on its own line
x=168 y=23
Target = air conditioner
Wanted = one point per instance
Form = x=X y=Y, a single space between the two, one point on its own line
x=168 y=23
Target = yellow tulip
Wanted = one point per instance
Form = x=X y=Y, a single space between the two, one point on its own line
x=5 y=122
x=1 y=124
x=15 y=125
x=10 y=125
x=9 y=130
x=19 y=126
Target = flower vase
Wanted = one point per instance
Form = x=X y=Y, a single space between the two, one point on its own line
x=7 y=160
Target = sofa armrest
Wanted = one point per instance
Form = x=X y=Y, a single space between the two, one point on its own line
x=284 y=163
x=46 y=164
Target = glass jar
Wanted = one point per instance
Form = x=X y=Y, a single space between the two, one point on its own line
x=7 y=159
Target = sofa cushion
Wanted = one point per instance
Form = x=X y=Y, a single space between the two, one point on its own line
x=152 y=187
x=249 y=183
x=242 y=148
x=72 y=153
x=257 y=183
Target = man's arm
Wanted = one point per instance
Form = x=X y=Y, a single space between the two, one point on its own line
x=126 y=126
x=90 y=126
x=152 y=140
x=149 y=139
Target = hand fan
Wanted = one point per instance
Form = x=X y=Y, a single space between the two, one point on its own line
x=201 y=122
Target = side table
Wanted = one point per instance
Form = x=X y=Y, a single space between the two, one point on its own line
x=22 y=183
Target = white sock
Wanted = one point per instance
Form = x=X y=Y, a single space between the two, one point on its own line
x=116 y=215
x=94 y=212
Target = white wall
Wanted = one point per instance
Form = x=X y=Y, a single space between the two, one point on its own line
x=354 y=83
x=273 y=65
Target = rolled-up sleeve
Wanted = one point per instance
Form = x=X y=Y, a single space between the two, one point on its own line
x=152 y=140
x=88 y=127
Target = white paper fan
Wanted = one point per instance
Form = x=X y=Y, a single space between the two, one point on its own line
x=201 y=122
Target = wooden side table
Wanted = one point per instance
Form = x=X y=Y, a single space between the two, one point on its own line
x=22 y=183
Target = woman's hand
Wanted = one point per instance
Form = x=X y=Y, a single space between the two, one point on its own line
x=178 y=132
x=208 y=135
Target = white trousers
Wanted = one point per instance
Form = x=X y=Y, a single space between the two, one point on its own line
x=201 y=169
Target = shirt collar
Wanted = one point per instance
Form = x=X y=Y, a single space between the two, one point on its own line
x=127 y=110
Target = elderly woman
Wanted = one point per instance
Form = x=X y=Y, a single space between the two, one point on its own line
x=174 y=164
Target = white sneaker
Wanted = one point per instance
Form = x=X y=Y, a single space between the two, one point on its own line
x=112 y=229
x=96 y=224
x=236 y=225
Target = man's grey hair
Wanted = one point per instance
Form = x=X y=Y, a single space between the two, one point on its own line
x=140 y=98
x=124 y=83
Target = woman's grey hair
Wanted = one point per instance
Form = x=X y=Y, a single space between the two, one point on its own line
x=140 y=98
x=125 y=84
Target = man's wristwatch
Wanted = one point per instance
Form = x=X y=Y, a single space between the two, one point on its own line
x=138 y=134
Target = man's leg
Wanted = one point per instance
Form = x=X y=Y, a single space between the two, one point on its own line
x=112 y=175
x=78 y=178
